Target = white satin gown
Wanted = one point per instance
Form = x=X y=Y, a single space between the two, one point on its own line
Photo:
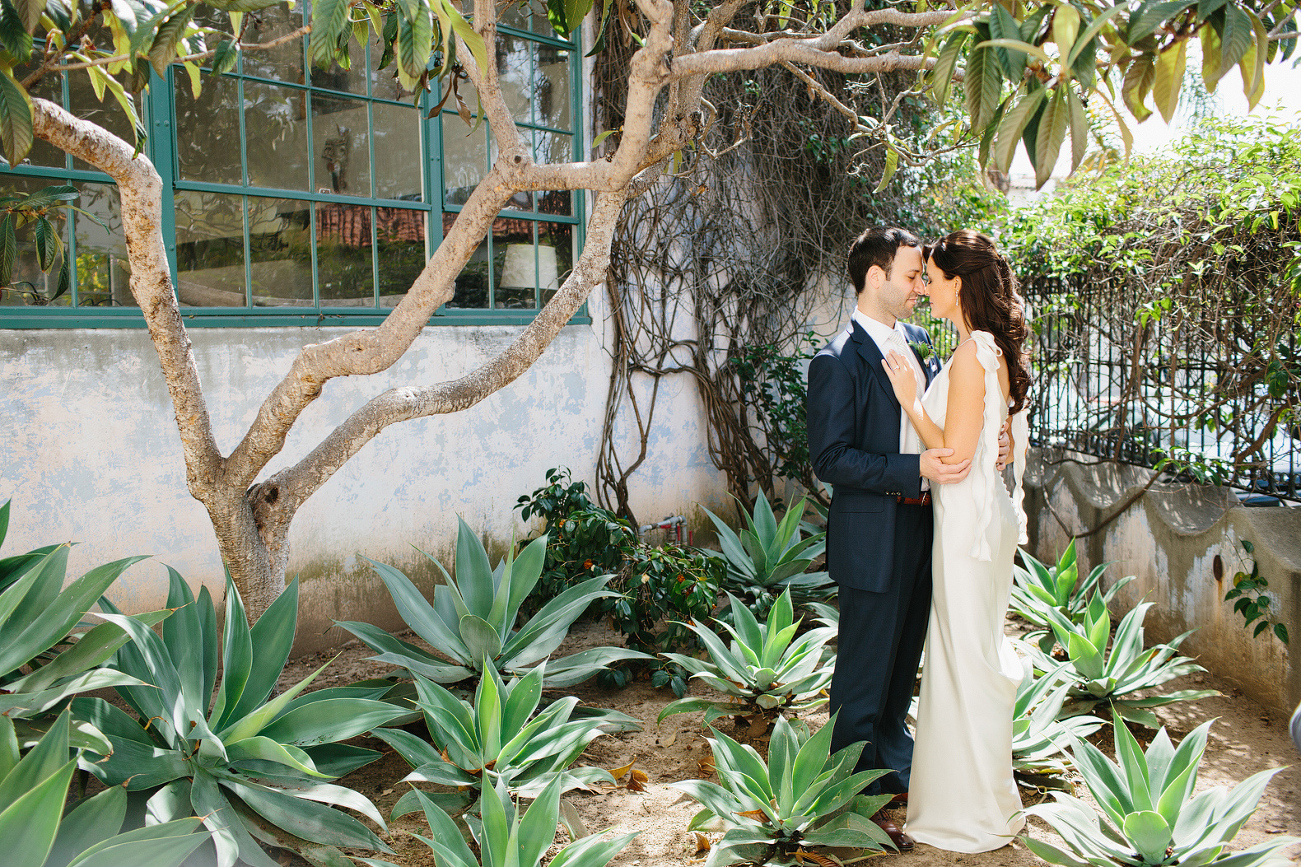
x=962 y=797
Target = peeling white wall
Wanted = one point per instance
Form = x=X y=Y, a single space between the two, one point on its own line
x=89 y=452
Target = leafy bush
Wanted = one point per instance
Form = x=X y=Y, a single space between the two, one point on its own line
x=1039 y=737
x=765 y=670
x=36 y=833
x=1250 y=599
x=507 y=838
x=778 y=810
x=654 y=584
x=1040 y=587
x=497 y=739
x=472 y=619
x=774 y=387
x=42 y=662
x=1102 y=676
x=253 y=769
x=1149 y=815
x=768 y=558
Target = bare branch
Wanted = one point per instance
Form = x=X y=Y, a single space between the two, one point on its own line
x=736 y=59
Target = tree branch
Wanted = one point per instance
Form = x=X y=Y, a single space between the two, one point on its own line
x=140 y=191
x=300 y=481
x=736 y=59
x=189 y=58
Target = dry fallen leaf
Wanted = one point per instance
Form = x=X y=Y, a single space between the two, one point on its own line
x=637 y=781
x=669 y=741
x=702 y=844
x=756 y=815
x=815 y=858
x=707 y=768
x=620 y=773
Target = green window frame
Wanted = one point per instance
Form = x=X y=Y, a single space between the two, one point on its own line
x=533 y=242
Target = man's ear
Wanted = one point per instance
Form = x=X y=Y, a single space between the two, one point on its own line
x=875 y=276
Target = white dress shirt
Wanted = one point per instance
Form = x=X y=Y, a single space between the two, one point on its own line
x=896 y=339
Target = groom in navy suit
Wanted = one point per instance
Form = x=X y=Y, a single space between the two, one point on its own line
x=879 y=529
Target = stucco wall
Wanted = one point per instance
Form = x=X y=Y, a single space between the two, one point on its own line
x=1169 y=539
x=89 y=452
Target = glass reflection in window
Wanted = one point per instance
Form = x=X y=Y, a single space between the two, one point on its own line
x=339 y=135
x=28 y=285
x=209 y=249
x=345 y=255
x=553 y=147
x=514 y=73
x=400 y=233
x=551 y=95
x=465 y=158
x=555 y=242
x=280 y=252
x=285 y=61
x=275 y=136
x=472 y=282
x=398 y=164
x=103 y=271
x=207 y=131
x=515 y=267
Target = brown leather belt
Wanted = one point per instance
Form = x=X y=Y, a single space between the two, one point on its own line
x=923 y=500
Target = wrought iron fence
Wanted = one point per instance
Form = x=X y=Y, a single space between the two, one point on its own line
x=1116 y=379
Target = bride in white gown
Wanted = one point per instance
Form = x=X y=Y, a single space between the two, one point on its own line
x=962 y=796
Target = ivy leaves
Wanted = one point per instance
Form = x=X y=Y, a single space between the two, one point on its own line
x=1031 y=69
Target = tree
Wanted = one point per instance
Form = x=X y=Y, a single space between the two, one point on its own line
x=1027 y=69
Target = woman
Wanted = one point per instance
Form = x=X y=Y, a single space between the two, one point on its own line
x=962 y=796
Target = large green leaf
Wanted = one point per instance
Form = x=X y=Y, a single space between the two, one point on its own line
x=305 y=818
x=236 y=660
x=166 y=845
x=89 y=823
x=30 y=823
x=1169 y=78
x=984 y=86
x=331 y=720
x=474 y=576
x=273 y=636
x=482 y=639
x=329 y=20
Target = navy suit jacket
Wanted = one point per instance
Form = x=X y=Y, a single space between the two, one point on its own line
x=853 y=424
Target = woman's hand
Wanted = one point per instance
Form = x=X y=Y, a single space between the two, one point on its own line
x=902 y=378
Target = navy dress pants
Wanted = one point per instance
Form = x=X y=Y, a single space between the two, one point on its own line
x=878 y=649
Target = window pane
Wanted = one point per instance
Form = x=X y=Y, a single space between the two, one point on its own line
x=384 y=82
x=398 y=160
x=209 y=249
x=551 y=95
x=108 y=114
x=351 y=80
x=514 y=264
x=339 y=134
x=553 y=147
x=103 y=273
x=207 y=131
x=401 y=234
x=515 y=15
x=465 y=157
x=345 y=264
x=514 y=72
x=29 y=286
x=49 y=87
x=472 y=284
x=284 y=62
x=555 y=243
x=280 y=252
x=275 y=136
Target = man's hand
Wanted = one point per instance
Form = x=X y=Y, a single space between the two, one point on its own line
x=940 y=473
x=1004 y=446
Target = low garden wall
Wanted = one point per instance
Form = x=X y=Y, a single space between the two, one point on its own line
x=1170 y=538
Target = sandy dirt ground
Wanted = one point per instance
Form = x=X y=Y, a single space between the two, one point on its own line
x=1245 y=739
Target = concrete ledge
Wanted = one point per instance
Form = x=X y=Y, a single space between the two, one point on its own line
x=1169 y=538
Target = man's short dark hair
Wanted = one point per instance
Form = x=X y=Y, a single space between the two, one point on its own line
x=877 y=246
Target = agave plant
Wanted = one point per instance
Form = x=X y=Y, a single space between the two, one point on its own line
x=1149 y=814
x=1040 y=587
x=472 y=619
x=768 y=556
x=42 y=661
x=1039 y=737
x=508 y=839
x=778 y=810
x=253 y=769
x=1100 y=675
x=498 y=740
x=765 y=669
x=36 y=833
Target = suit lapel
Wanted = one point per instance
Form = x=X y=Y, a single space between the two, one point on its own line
x=872 y=357
x=918 y=337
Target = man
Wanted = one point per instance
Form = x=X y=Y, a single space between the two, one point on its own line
x=880 y=527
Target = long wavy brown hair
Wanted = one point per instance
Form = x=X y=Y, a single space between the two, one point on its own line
x=989 y=299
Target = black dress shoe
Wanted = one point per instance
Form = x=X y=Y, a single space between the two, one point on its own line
x=897 y=799
x=901 y=841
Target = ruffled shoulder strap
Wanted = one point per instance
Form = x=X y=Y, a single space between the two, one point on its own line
x=988 y=353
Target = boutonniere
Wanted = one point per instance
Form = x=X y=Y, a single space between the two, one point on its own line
x=924 y=350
